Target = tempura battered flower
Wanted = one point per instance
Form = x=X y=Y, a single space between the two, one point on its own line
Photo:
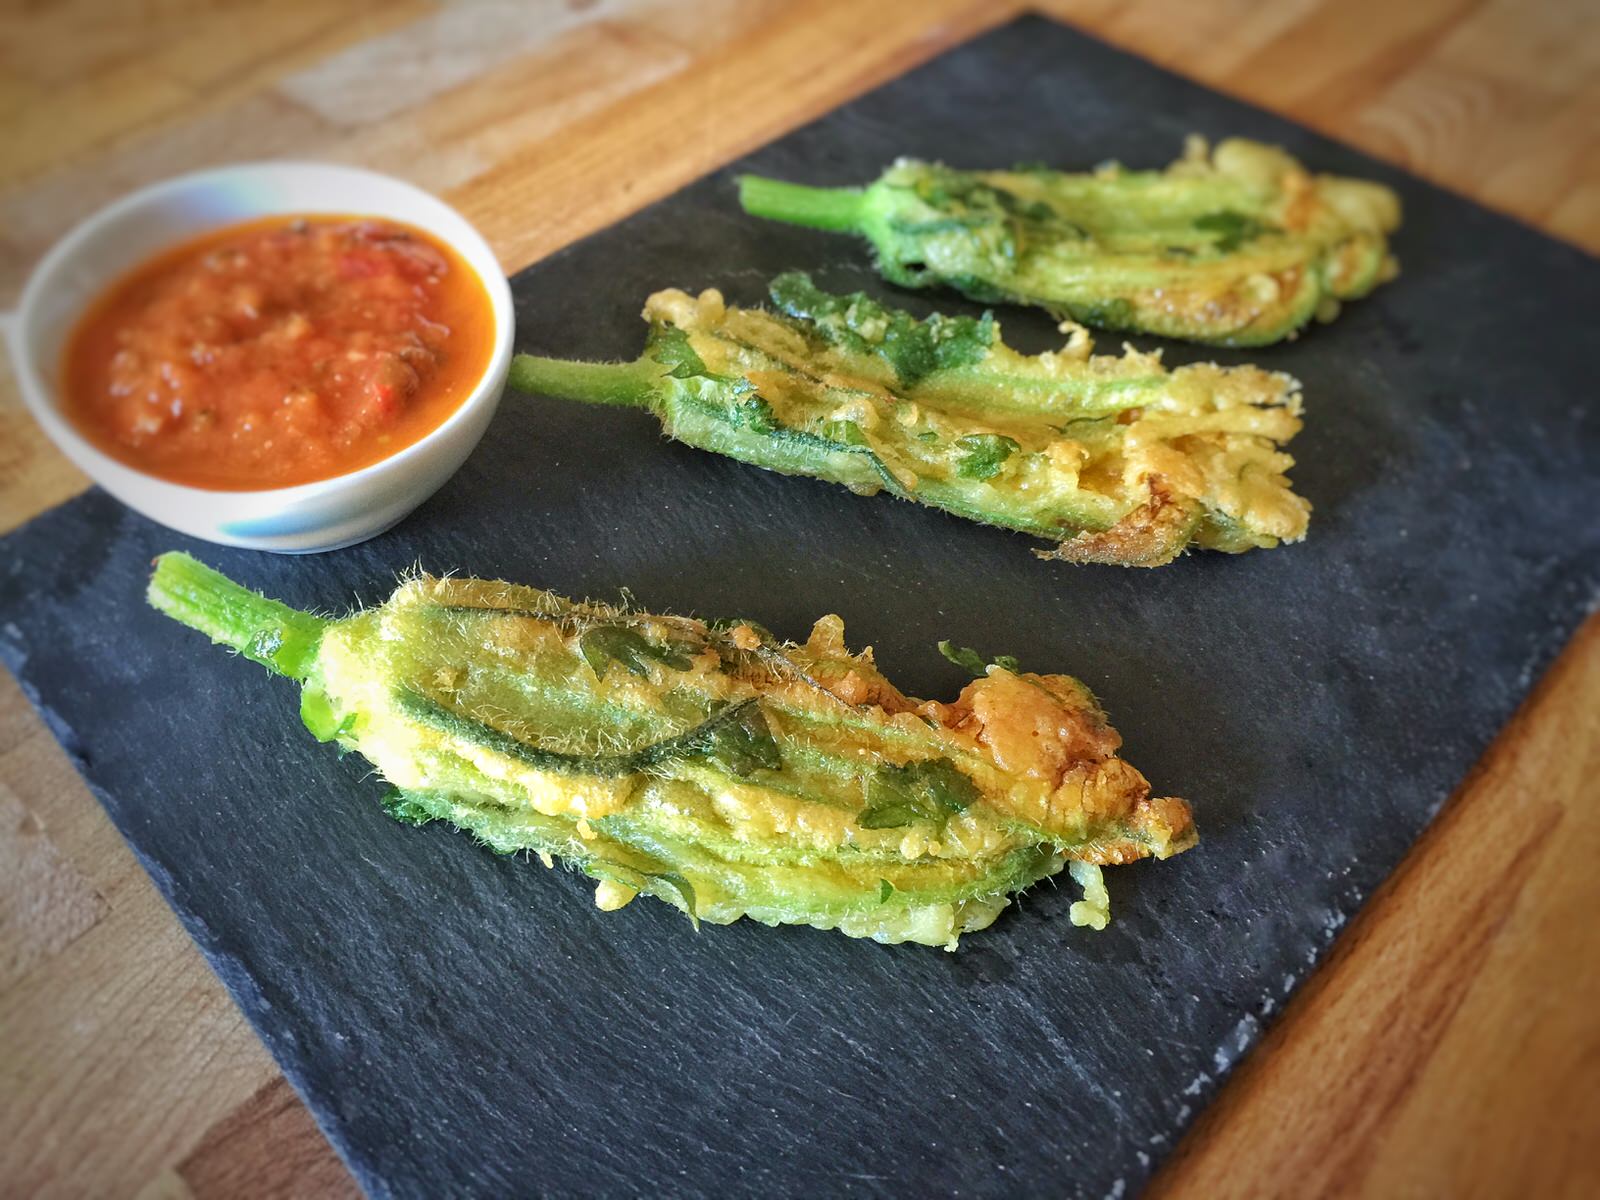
x=708 y=765
x=1240 y=247
x=1113 y=458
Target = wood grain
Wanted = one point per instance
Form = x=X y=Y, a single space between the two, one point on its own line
x=1449 y=1047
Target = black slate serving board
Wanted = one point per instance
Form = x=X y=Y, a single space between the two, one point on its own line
x=462 y=1024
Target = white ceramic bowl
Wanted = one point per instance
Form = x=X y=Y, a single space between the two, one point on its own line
x=308 y=517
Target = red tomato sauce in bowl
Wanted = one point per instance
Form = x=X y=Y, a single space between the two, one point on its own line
x=279 y=352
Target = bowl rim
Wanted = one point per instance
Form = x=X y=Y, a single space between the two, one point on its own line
x=44 y=402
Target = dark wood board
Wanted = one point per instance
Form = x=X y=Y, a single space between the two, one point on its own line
x=463 y=1024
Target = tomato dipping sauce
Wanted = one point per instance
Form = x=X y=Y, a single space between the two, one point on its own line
x=279 y=352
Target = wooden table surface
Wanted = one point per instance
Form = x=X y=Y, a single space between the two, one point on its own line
x=1451 y=1044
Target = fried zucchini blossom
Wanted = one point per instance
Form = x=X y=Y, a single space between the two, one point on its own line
x=708 y=765
x=1112 y=459
x=1237 y=247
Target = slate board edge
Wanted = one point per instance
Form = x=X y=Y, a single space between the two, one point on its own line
x=241 y=985
x=1442 y=189
x=234 y=975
